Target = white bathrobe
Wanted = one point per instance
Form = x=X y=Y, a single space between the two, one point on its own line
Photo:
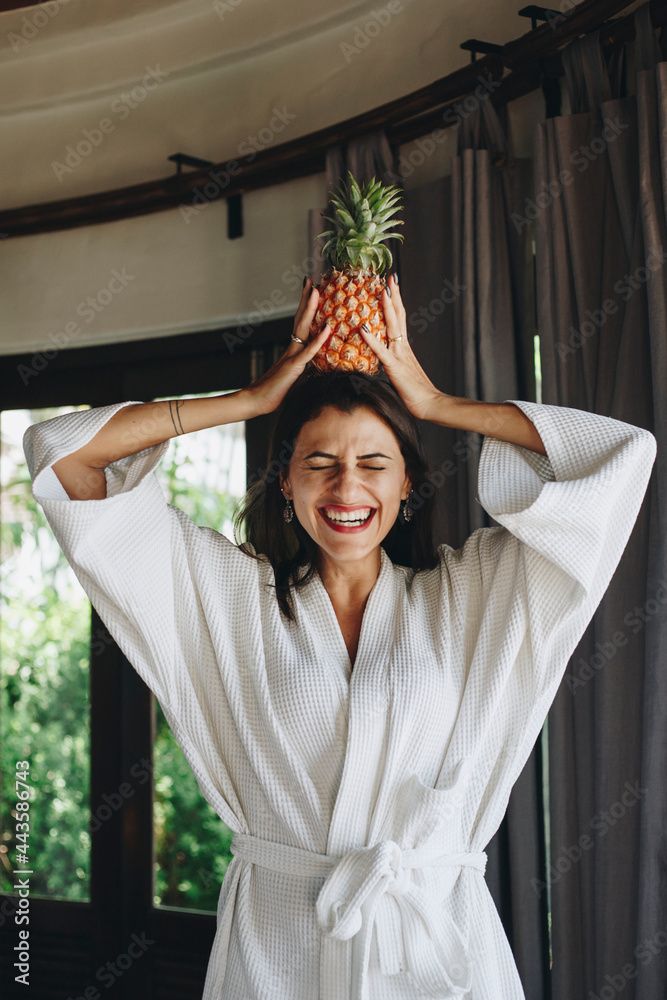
x=362 y=799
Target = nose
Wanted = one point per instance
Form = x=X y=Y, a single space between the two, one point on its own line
x=345 y=484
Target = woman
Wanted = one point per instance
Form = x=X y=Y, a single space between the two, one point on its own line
x=359 y=723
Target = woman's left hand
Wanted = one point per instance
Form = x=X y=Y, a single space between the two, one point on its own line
x=404 y=371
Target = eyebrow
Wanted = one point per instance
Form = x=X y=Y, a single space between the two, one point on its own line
x=324 y=454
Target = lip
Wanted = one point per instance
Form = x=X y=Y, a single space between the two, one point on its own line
x=344 y=528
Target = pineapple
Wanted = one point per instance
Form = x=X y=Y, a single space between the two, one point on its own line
x=350 y=294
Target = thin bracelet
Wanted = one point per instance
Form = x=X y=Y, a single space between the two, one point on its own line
x=178 y=404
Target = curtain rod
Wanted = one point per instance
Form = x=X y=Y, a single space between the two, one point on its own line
x=530 y=58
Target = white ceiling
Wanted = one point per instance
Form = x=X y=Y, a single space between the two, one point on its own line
x=224 y=65
x=93 y=46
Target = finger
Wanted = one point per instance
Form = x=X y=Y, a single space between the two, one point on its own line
x=396 y=299
x=322 y=335
x=395 y=294
x=311 y=347
x=400 y=330
x=393 y=321
x=375 y=343
x=303 y=301
x=303 y=322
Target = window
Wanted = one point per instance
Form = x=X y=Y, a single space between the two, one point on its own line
x=44 y=683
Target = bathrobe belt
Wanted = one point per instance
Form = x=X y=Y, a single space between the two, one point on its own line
x=353 y=900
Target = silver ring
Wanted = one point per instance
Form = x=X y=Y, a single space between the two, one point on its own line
x=394 y=339
x=297 y=340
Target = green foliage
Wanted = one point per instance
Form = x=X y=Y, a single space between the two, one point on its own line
x=45 y=712
x=44 y=706
x=191 y=841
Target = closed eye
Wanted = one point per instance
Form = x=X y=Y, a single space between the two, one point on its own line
x=375 y=468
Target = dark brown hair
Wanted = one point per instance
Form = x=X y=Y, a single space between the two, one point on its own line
x=288 y=547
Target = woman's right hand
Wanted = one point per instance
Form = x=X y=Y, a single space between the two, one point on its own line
x=268 y=391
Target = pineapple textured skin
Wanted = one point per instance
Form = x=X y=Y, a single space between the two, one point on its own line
x=351 y=293
x=349 y=298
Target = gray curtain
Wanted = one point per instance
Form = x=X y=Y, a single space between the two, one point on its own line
x=367 y=157
x=601 y=246
x=467 y=283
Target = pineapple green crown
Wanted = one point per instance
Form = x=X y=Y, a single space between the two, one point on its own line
x=362 y=217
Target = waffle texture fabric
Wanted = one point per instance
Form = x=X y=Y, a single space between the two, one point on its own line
x=362 y=799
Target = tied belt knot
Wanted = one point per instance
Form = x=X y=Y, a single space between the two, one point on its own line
x=374 y=887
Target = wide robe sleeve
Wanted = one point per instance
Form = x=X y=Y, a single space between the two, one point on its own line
x=144 y=565
x=522 y=594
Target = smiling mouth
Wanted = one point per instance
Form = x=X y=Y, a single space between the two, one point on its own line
x=342 y=519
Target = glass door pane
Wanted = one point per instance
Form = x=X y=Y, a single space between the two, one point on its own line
x=44 y=688
x=204 y=473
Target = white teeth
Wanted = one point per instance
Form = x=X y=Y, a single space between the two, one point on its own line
x=353 y=518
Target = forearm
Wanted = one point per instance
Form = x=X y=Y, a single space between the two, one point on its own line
x=143 y=425
x=499 y=420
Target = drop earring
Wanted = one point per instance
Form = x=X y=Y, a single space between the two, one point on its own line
x=407 y=509
x=288 y=512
